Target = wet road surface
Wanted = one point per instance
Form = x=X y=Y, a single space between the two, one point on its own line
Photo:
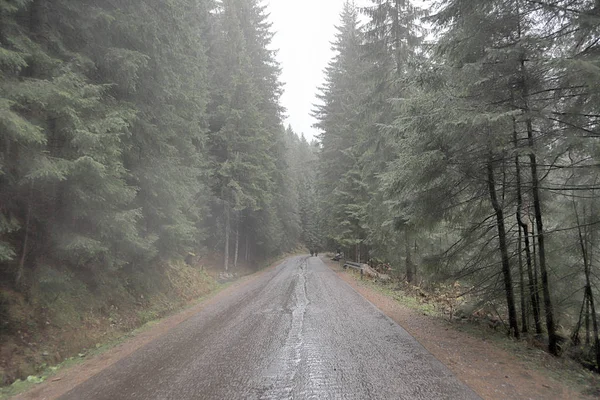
x=296 y=332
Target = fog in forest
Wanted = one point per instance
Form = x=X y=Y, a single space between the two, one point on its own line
x=151 y=151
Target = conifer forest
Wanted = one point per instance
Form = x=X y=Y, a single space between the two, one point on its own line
x=459 y=141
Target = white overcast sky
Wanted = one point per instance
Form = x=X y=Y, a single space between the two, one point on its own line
x=304 y=31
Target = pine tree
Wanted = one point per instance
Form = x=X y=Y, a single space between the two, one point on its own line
x=340 y=189
x=245 y=120
x=163 y=73
x=461 y=159
x=70 y=133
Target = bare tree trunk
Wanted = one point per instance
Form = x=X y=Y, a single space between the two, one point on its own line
x=409 y=271
x=594 y=322
x=590 y=295
x=246 y=253
x=536 y=280
x=508 y=286
x=237 y=240
x=532 y=283
x=37 y=25
x=227 y=229
x=21 y=266
x=588 y=286
x=414 y=264
x=524 y=328
x=237 y=246
x=523 y=228
x=397 y=38
x=549 y=310
x=587 y=319
x=575 y=335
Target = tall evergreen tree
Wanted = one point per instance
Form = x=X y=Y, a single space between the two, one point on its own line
x=245 y=121
x=61 y=132
x=340 y=186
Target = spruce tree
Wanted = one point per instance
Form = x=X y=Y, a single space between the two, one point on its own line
x=245 y=122
x=340 y=187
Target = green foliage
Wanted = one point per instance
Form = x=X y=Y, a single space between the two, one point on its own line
x=342 y=192
x=133 y=133
x=251 y=178
x=430 y=150
x=125 y=127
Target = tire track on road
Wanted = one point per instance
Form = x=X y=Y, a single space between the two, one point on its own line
x=291 y=354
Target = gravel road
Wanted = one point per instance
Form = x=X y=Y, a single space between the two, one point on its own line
x=296 y=332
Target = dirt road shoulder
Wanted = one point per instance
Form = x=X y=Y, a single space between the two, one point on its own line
x=490 y=370
x=69 y=377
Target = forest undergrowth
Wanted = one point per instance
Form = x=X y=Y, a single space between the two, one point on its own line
x=64 y=320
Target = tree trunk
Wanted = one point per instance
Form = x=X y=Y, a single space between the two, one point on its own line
x=536 y=280
x=397 y=38
x=594 y=323
x=21 y=266
x=414 y=264
x=237 y=246
x=409 y=271
x=589 y=284
x=237 y=241
x=532 y=283
x=575 y=335
x=523 y=226
x=227 y=228
x=508 y=286
x=549 y=310
x=587 y=319
x=588 y=287
x=524 y=327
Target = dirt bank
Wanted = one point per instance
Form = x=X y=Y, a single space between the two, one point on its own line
x=70 y=377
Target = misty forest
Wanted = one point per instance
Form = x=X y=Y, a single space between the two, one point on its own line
x=143 y=140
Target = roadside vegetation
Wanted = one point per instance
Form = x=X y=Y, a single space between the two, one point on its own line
x=137 y=140
x=460 y=144
x=68 y=320
x=448 y=314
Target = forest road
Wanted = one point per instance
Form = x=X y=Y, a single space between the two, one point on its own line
x=297 y=332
